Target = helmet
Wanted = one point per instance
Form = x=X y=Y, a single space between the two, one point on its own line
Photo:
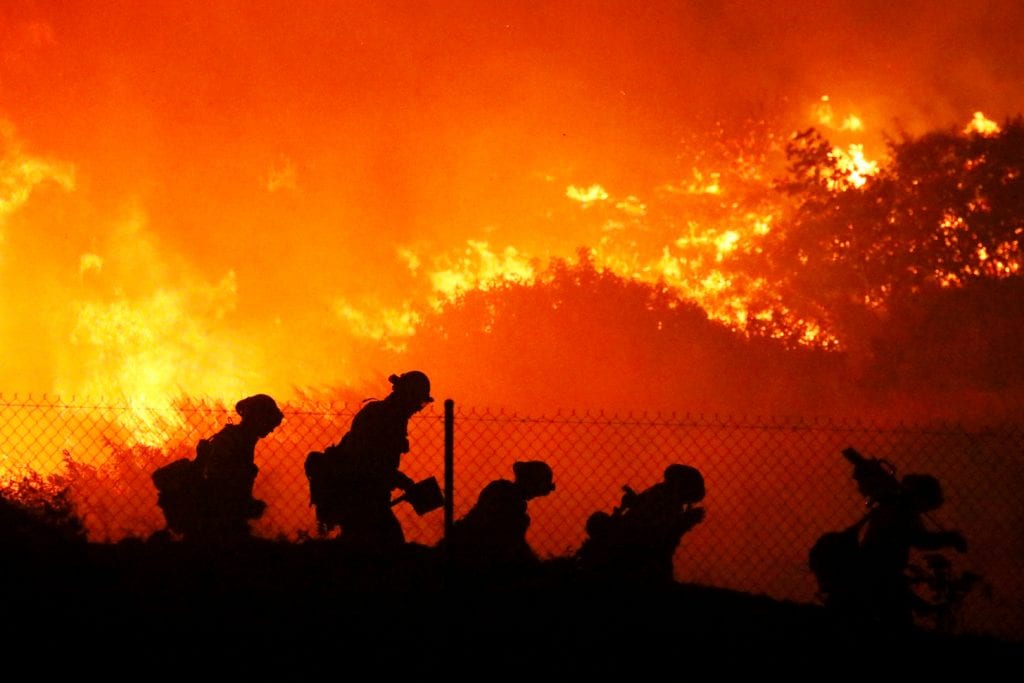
x=413 y=384
x=687 y=481
x=598 y=524
x=259 y=408
x=534 y=475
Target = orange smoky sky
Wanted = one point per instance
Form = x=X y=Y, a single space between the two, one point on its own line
x=218 y=198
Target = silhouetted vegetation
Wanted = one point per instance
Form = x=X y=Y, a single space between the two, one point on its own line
x=918 y=270
x=38 y=508
x=564 y=326
x=945 y=208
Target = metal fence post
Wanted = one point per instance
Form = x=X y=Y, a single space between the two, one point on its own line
x=449 y=465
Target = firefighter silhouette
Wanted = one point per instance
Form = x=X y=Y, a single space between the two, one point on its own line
x=210 y=498
x=636 y=542
x=492 y=535
x=351 y=483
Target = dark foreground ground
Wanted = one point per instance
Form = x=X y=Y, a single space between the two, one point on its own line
x=171 y=609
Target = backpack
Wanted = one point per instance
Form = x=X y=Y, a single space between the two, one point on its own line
x=178 y=493
x=330 y=478
x=835 y=558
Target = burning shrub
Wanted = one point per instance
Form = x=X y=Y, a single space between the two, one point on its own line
x=37 y=510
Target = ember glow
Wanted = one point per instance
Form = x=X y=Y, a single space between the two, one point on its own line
x=206 y=200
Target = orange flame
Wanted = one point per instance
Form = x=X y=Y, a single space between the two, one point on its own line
x=143 y=322
x=981 y=125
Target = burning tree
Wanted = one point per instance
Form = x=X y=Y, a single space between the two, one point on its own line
x=947 y=209
x=915 y=266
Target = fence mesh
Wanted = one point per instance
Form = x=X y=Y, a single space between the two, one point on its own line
x=773 y=485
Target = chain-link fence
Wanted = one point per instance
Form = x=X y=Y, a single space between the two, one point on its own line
x=773 y=485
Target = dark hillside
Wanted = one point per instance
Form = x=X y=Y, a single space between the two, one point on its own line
x=167 y=606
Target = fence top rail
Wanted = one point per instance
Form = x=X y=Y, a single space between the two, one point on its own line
x=499 y=414
x=735 y=421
